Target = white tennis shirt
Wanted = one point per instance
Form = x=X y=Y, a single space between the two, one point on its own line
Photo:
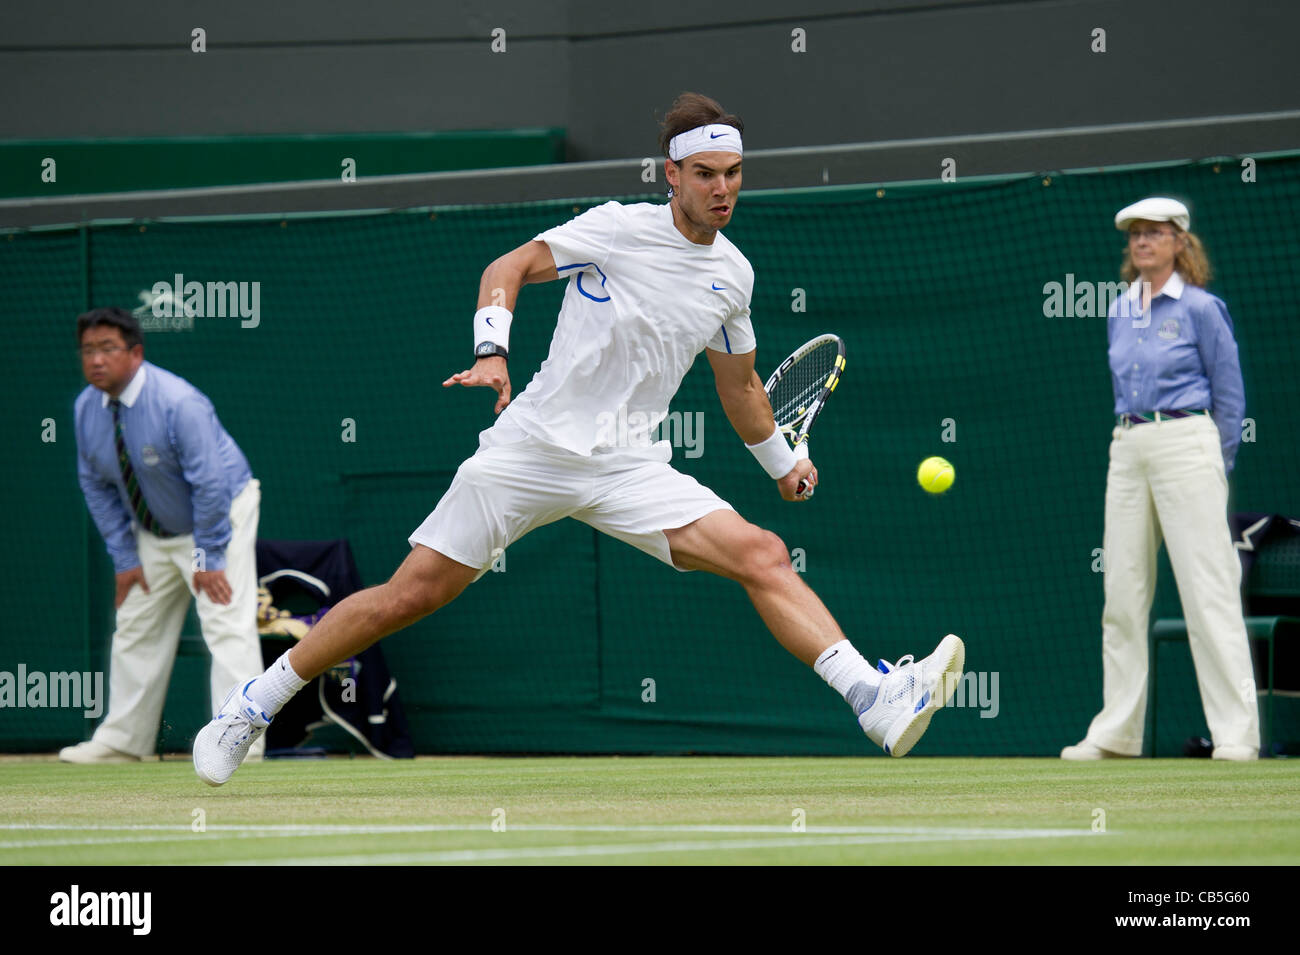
x=642 y=302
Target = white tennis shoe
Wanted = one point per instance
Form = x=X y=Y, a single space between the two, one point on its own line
x=1089 y=751
x=222 y=745
x=93 y=751
x=910 y=693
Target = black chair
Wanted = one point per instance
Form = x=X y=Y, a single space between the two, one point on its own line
x=306 y=577
x=1269 y=546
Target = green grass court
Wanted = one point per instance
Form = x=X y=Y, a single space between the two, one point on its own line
x=689 y=810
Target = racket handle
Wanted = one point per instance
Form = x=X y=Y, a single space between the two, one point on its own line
x=804 y=490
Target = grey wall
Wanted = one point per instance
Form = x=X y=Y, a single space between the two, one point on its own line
x=905 y=70
x=874 y=69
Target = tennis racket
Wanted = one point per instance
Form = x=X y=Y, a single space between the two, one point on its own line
x=799 y=388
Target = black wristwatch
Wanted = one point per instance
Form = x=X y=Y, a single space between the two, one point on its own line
x=488 y=349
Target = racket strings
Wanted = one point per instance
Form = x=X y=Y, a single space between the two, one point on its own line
x=802 y=383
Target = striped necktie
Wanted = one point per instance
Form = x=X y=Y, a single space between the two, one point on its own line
x=138 y=505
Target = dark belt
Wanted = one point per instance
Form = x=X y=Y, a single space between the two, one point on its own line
x=1128 y=419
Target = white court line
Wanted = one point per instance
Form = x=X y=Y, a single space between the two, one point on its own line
x=106 y=841
x=181 y=833
x=327 y=828
x=552 y=852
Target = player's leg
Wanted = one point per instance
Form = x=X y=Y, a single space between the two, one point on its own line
x=726 y=544
x=1191 y=495
x=894 y=705
x=510 y=486
x=143 y=651
x=674 y=518
x=425 y=581
x=1129 y=544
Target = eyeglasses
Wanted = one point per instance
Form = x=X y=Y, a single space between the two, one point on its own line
x=1152 y=234
x=90 y=351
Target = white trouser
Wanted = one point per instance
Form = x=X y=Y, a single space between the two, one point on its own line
x=1168 y=476
x=149 y=628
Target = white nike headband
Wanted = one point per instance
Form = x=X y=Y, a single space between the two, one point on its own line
x=714 y=137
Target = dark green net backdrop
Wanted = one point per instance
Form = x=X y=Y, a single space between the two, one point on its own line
x=938 y=290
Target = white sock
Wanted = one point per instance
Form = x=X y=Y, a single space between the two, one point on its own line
x=276 y=686
x=849 y=675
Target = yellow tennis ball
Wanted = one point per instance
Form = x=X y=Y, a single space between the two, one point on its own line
x=935 y=475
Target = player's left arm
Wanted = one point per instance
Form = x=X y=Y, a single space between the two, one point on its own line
x=741 y=392
x=745 y=403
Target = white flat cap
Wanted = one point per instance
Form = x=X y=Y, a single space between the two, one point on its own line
x=1154 y=209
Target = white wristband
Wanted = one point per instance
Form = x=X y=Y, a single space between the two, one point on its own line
x=492 y=324
x=775 y=455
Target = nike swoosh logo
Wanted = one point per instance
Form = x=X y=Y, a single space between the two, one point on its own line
x=488 y=319
x=716 y=135
x=833 y=654
x=719 y=288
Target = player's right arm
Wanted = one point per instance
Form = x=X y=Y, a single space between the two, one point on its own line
x=532 y=262
x=745 y=403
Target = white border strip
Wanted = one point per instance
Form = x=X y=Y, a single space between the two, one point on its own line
x=331 y=829
x=817 y=835
x=620 y=849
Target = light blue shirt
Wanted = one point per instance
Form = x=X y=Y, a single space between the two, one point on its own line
x=189 y=469
x=1178 y=356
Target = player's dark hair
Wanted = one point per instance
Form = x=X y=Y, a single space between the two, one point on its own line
x=118 y=318
x=690 y=110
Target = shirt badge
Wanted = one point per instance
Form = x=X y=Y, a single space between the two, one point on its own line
x=1169 y=329
x=149 y=456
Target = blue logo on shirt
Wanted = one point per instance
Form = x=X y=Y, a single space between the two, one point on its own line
x=719 y=288
x=583 y=265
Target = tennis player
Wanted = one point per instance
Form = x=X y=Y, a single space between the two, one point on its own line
x=649 y=287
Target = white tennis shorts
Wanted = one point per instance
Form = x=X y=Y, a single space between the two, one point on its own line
x=515 y=483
